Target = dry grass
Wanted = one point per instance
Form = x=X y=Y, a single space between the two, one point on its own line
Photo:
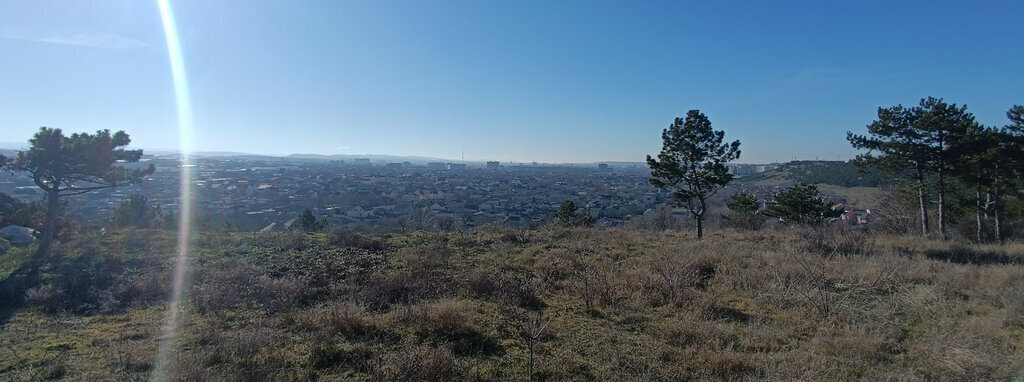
x=594 y=305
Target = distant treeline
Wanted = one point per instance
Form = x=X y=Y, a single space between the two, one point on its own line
x=837 y=173
x=938 y=150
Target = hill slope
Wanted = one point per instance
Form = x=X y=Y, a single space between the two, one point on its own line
x=844 y=174
x=841 y=180
x=595 y=305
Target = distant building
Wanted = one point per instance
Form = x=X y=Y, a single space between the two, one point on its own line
x=493 y=165
x=456 y=166
x=362 y=160
x=358 y=213
x=602 y=166
x=436 y=165
x=857 y=217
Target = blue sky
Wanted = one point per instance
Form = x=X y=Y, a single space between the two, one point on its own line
x=549 y=81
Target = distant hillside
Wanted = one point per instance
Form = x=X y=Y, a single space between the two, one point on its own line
x=836 y=173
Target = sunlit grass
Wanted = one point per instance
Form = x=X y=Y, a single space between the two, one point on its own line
x=739 y=305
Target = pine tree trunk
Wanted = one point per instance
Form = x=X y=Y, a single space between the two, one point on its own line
x=699 y=216
x=923 y=203
x=978 y=211
x=988 y=203
x=531 y=360
x=942 y=206
x=997 y=208
x=50 y=226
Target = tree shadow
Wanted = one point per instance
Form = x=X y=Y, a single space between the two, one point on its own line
x=470 y=342
x=963 y=255
x=14 y=286
x=725 y=313
x=73 y=281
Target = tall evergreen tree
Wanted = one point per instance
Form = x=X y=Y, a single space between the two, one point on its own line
x=921 y=141
x=1007 y=162
x=692 y=163
x=945 y=128
x=72 y=165
x=895 y=147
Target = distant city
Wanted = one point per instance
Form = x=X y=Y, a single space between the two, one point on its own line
x=256 y=193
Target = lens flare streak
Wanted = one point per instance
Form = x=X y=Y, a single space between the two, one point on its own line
x=184 y=113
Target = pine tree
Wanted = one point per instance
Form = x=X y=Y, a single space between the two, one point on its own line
x=568 y=215
x=802 y=204
x=920 y=142
x=744 y=207
x=72 y=165
x=692 y=164
x=307 y=222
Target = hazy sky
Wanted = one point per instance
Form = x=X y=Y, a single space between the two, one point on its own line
x=550 y=81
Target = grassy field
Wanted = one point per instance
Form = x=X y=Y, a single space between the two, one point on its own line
x=583 y=304
x=861 y=197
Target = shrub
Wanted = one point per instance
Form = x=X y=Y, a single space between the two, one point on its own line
x=135 y=212
x=285 y=241
x=568 y=215
x=837 y=238
x=744 y=212
x=231 y=284
x=676 y=276
x=43 y=295
x=802 y=204
x=307 y=222
x=426 y=259
x=346 y=237
x=507 y=287
x=422 y=363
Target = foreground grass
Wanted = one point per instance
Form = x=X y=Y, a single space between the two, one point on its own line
x=594 y=304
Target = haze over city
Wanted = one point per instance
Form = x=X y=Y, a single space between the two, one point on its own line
x=519 y=81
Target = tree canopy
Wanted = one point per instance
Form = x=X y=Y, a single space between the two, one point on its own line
x=308 y=223
x=802 y=204
x=71 y=165
x=692 y=163
x=78 y=163
x=920 y=141
x=744 y=207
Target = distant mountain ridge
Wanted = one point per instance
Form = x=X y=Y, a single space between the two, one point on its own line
x=11 y=149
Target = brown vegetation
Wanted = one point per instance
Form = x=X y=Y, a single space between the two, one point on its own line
x=576 y=304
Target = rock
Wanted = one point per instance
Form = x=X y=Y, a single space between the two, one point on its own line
x=18 y=235
x=4 y=245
